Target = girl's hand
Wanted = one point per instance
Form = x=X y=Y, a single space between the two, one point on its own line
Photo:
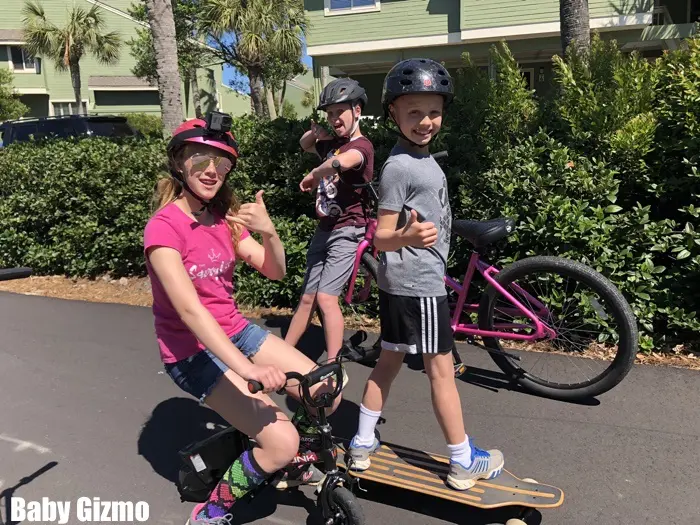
x=253 y=216
x=271 y=377
x=320 y=132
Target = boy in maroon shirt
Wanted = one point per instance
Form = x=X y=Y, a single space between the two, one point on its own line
x=342 y=209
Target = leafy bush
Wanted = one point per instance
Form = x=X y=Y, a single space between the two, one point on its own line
x=76 y=207
x=148 y=125
x=11 y=106
x=603 y=171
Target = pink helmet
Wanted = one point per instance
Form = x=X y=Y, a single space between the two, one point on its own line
x=196 y=131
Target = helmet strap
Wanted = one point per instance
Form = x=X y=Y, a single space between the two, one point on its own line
x=206 y=205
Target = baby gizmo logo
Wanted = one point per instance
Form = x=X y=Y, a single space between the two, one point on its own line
x=86 y=510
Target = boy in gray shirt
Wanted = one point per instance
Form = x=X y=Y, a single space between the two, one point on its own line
x=413 y=235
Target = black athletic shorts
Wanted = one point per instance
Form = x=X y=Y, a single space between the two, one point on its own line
x=415 y=325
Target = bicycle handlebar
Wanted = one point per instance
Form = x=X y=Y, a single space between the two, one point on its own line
x=307 y=381
x=372 y=186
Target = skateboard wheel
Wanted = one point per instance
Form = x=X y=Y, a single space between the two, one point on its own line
x=515 y=521
x=530 y=480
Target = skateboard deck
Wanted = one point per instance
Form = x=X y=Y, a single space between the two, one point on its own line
x=424 y=472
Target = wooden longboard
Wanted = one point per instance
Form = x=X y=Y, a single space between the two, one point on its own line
x=424 y=472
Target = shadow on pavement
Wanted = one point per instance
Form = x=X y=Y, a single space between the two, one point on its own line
x=9 y=492
x=266 y=502
x=496 y=381
x=435 y=507
x=493 y=381
x=174 y=424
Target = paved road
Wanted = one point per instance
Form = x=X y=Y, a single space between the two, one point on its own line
x=84 y=399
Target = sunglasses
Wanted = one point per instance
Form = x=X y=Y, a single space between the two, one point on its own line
x=201 y=162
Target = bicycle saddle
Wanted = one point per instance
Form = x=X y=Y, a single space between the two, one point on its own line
x=483 y=233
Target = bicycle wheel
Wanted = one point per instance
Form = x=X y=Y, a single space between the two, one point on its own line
x=369 y=267
x=347 y=509
x=593 y=325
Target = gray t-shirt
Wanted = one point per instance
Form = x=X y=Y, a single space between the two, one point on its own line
x=412 y=182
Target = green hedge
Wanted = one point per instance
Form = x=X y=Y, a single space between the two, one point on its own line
x=604 y=171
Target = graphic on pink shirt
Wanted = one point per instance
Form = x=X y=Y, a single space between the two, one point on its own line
x=215 y=270
x=208 y=257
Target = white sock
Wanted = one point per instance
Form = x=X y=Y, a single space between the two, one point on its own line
x=461 y=453
x=365 y=431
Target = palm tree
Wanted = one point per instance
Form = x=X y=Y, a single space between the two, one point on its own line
x=66 y=45
x=162 y=22
x=250 y=33
x=575 y=26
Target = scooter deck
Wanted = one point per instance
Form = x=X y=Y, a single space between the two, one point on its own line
x=424 y=472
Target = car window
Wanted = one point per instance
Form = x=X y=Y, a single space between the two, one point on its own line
x=57 y=128
x=24 y=131
x=110 y=128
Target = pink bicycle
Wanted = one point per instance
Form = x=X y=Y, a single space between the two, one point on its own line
x=571 y=334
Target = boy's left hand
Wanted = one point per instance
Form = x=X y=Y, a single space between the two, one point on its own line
x=308 y=183
x=253 y=216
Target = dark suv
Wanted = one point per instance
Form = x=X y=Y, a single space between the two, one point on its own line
x=23 y=130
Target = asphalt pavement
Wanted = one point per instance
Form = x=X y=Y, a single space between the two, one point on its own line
x=88 y=412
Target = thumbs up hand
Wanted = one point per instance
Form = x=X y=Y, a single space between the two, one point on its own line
x=419 y=234
x=253 y=216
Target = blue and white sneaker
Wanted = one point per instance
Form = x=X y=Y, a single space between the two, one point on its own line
x=358 y=455
x=486 y=464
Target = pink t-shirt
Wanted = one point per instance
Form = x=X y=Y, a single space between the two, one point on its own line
x=208 y=257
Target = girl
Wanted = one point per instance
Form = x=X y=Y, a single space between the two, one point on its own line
x=208 y=348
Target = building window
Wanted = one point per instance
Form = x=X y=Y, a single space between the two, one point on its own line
x=68 y=108
x=21 y=60
x=339 y=7
x=529 y=76
x=693 y=11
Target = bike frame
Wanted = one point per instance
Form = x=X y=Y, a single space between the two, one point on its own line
x=365 y=244
x=488 y=271
x=501 y=330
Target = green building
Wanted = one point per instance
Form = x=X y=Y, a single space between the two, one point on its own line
x=105 y=90
x=364 y=38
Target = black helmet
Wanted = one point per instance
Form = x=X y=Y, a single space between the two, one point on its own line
x=416 y=75
x=342 y=90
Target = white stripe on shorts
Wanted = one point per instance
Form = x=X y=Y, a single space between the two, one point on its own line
x=435 y=326
x=427 y=328
x=422 y=323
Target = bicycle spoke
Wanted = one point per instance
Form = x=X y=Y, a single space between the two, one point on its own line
x=574 y=312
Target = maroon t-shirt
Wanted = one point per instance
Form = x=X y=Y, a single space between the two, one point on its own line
x=339 y=204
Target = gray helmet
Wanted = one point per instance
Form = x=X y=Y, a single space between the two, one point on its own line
x=342 y=90
x=417 y=75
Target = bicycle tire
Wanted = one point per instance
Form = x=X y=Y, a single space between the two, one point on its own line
x=349 y=506
x=620 y=309
x=369 y=263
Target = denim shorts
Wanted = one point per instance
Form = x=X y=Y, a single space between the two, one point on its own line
x=198 y=374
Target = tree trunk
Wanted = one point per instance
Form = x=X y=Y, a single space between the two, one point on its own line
x=160 y=18
x=575 y=25
x=196 y=99
x=283 y=93
x=77 y=85
x=256 y=90
x=270 y=102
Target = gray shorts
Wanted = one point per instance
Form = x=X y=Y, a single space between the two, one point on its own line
x=330 y=259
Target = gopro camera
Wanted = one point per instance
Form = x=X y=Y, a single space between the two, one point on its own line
x=219 y=122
